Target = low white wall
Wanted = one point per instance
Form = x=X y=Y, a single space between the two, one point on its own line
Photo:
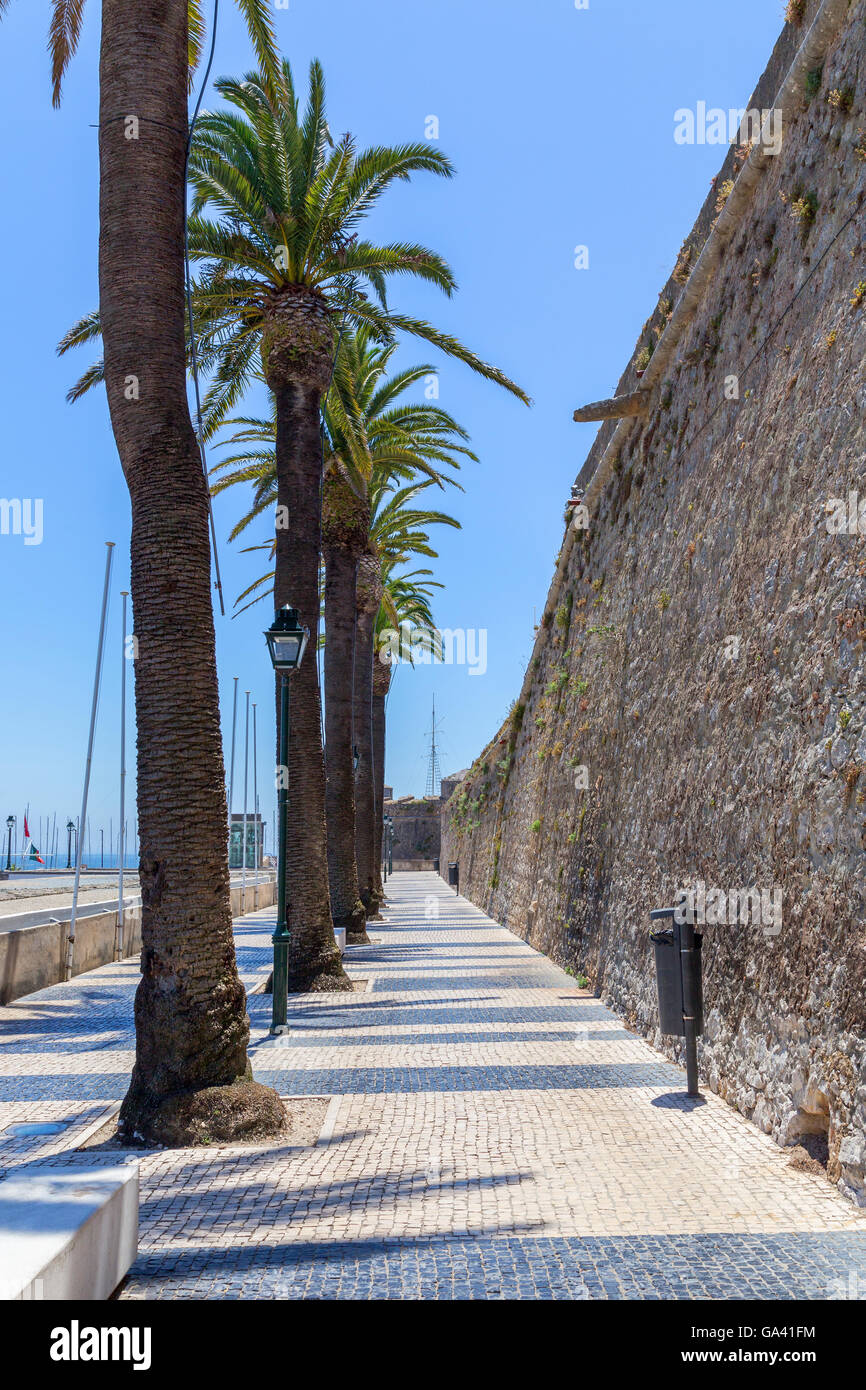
x=67 y=1233
x=34 y=957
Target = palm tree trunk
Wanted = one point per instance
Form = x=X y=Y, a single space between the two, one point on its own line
x=346 y=906
x=368 y=600
x=297 y=351
x=381 y=685
x=191 y=1073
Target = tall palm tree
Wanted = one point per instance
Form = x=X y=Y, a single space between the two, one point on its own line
x=282 y=269
x=396 y=534
x=372 y=437
x=192 y=1029
x=346 y=523
x=404 y=627
x=382 y=439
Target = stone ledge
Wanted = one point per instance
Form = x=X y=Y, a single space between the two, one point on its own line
x=67 y=1233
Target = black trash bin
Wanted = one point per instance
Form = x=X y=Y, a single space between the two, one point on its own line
x=454 y=876
x=679 y=983
x=669 y=981
x=677 y=994
x=436 y=866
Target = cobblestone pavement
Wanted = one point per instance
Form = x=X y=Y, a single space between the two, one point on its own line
x=492 y=1132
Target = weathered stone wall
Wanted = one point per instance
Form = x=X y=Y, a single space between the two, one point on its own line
x=416 y=829
x=704 y=661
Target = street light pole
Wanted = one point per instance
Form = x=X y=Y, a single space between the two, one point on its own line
x=69 y=829
x=10 y=822
x=287 y=642
x=280 y=995
x=255 y=814
x=244 y=823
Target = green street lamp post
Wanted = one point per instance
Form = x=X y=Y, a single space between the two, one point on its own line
x=287 y=642
x=388 y=847
x=10 y=822
x=70 y=830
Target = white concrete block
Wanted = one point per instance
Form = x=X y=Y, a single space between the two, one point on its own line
x=67 y=1233
x=340 y=934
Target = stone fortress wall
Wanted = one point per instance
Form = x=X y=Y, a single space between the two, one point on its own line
x=694 y=711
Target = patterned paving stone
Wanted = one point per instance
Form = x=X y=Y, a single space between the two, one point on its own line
x=509 y=1267
x=493 y=1132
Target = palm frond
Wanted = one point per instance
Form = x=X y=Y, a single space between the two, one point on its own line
x=64 y=32
x=196 y=33
x=418 y=328
x=84 y=331
x=264 y=41
x=94 y=376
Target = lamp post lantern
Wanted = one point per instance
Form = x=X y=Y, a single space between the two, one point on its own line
x=70 y=827
x=287 y=642
x=10 y=824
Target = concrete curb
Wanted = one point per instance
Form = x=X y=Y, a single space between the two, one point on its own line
x=67 y=1233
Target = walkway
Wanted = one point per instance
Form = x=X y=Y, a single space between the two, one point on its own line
x=490 y=1131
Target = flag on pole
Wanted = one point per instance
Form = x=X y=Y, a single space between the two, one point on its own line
x=30 y=850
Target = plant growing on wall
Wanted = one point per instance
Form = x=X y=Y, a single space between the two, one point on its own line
x=812 y=83
x=842 y=98
x=804 y=209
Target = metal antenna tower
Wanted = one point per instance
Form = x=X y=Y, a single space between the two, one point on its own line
x=433 y=785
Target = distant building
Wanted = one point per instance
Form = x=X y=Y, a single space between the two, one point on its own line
x=255 y=841
x=416 y=830
x=450 y=782
x=389 y=793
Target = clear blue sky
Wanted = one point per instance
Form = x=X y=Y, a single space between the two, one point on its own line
x=560 y=123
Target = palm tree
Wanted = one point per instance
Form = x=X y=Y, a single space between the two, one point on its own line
x=404 y=627
x=384 y=605
x=395 y=535
x=382 y=440
x=282 y=268
x=192 y=1029
x=346 y=523
x=373 y=439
